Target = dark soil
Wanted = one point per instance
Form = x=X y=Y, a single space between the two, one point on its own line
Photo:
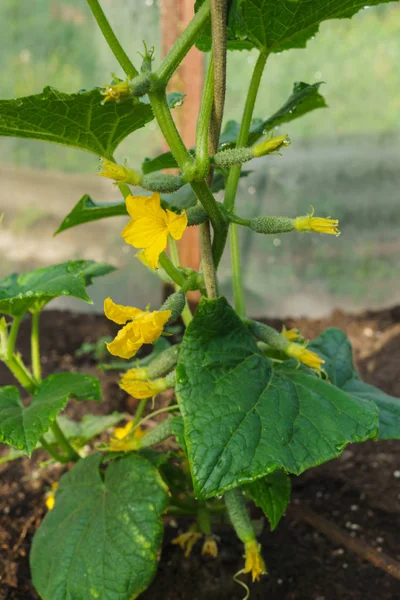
x=360 y=492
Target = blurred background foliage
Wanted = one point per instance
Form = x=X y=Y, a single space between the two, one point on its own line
x=344 y=160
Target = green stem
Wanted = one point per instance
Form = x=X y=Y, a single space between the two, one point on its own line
x=186 y=164
x=233 y=181
x=171 y=270
x=234 y=172
x=183 y=44
x=203 y=121
x=35 y=351
x=207 y=261
x=139 y=411
x=155 y=413
x=64 y=444
x=12 y=338
x=20 y=373
x=112 y=39
x=60 y=457
x=238 y=291
x=173 y=248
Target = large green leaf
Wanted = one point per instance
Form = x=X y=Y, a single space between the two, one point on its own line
x=31 y=291
x=283 y=24
x=78 y=120
x=334 y=346
x=271 y=494
x=243 y=420
x=22 y=426
x=102 y=538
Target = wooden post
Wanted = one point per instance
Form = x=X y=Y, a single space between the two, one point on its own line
x=188 y=79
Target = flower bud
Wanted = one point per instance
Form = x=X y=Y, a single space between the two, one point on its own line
x=271 y=146
x=120 y=173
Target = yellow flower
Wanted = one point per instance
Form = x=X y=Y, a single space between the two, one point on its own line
x=290 y=334
x=142 y=389
x=150 y=226
x=321 y=225
x=50 y=496
x=119 y=172
x=115 y=92
x=141 y=327
x=254 y=562
x=122 y=442
x=270 y=146
x=210 y=546
x=307 y=357
x=187 y=540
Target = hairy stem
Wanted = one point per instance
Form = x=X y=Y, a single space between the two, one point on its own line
x=112 y=39
x=171 y=270
x=64 y=444
x=173 y=248
x=233 y=181
x=219 y=11
x=183 y=44
x=140 y=410
x=12 y=338
x=35 y=351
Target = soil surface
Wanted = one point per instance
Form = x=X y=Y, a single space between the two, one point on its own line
x=360 y=492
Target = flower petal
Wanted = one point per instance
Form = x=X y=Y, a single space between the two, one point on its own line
x=150 y=325
x=144 y=206
x=176 y=223
x=153 y=251
x=143 y=389
x=118 y=313
x=127 y=342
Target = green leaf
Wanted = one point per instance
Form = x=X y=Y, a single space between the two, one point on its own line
x=271 y=494
x=283 y=24
x=22 y=426
x=81 y=432
x=78 y=120
x=33 y=290
x=304 y=98
x=88 y=210
x=243 y=420
x=102 y=538
x=334 y=346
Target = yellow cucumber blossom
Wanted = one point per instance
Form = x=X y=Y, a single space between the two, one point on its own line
x=121 y=173
x=210 y=547
x=187 y=540
x=291 y=334
x=151 y=225
x=50 y=496
x=254 y=562
x=307 y=357
x=319 y=224
x=140 y=327
x=114 y=93
x=270 y=146
x=142 y=389
x=122 y=442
